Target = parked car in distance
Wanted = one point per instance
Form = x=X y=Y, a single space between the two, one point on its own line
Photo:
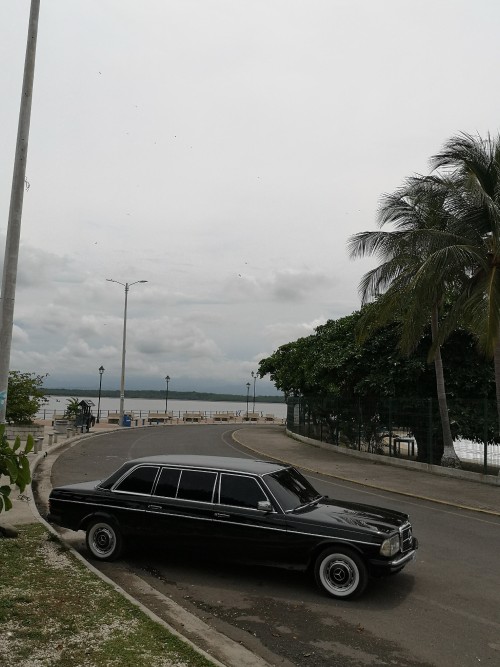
x=251 y=510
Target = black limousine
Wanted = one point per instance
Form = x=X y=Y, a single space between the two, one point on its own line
x=240 y=508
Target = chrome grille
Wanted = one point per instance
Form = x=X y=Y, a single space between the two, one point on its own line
x=406 y=537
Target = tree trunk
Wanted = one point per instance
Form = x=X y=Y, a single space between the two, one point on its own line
x=449 y=458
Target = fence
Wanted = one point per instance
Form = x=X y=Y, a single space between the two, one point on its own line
x=144 y=415
x=401 y=427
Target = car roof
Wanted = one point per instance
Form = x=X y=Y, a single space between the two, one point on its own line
x=234 y=464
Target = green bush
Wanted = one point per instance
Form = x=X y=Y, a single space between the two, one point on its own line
x=24 y=397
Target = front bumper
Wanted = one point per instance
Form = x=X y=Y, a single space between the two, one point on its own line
x=397 y=563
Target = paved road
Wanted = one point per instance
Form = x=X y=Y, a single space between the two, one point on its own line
x=444 y=611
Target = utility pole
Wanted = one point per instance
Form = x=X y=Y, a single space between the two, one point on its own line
x=16 y=208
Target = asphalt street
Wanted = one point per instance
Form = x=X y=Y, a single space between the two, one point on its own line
x=444 y=610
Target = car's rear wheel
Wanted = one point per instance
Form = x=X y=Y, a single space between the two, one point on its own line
x=341 y=573
x=104 y=540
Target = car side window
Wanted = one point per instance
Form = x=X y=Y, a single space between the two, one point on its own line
x=139 y=480
x=240 y=491
x=168 y=482
x=197 y=485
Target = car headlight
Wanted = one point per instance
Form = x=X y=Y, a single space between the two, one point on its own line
x=390 y=546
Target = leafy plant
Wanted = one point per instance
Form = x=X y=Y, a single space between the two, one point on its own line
x=24 y=397
x=73 y=408
x=14 y=465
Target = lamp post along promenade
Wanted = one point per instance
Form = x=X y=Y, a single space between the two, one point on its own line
x=254 y=375
x=127 y=286
x=11 y=257
x=167 y=380
x=248 y=395
x=101 y=371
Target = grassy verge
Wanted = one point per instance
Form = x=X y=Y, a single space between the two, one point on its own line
x=53 y=611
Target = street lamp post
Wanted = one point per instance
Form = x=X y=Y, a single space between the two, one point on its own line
x=127 y=286
x=254 y=375
x=248 y=394
x=12 y=240
x=167 y=380
x=101 y=371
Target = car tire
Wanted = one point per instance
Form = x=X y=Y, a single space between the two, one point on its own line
x=104 y=540
x=340 y=573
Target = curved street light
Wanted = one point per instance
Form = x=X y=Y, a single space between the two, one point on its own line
x=101 y=371
x=127 y=286
x=248 y=394
x=254 y=375
x=167 y=380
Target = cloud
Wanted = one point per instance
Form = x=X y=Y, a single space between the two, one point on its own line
x=176 y=338
x=222 y=154
x=280 y=333
x=290 y=285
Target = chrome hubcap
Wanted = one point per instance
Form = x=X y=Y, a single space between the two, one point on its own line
x=340 y=574
x=103 y=540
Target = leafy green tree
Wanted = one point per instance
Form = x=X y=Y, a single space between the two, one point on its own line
x=337 y=376
x=333 y=362
x=472 y=167
x=408 y=284
x=14 y=465
x=24 y=397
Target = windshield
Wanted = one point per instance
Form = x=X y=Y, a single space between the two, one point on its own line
x=291 y=489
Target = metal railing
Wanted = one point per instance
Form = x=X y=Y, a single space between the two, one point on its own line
x=238 y=415
x=401 y=427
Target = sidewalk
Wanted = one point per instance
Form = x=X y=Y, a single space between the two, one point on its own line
x=459 y=492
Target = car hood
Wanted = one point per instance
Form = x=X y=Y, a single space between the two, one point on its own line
x=80 y=486
x=348 y=516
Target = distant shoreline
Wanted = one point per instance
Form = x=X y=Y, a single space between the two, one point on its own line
x=158 y=394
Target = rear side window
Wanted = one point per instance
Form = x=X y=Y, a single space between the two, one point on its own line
x=168 y=482
x=197 y=485
x=139 y=480
x=240 y=491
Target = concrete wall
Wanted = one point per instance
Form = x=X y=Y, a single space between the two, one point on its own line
x=402 y=463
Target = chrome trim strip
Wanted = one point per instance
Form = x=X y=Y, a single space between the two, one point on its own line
x=335 y=538
x=235 y=523
x=103 y=508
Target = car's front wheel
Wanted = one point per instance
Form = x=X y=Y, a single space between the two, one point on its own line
x=341 y=573
x=104 y=540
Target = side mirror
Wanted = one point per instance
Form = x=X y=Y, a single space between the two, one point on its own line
x=264 y=506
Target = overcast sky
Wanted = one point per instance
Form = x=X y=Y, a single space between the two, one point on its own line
x=224 y=151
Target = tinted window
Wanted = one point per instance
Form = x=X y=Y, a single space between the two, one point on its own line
x=291 y=489
x=167 y=484
x=240 y=491
x=197 y=485
x=139 y=481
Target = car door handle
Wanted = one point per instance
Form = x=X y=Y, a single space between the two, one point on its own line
x=154 y=507
x=218 y=515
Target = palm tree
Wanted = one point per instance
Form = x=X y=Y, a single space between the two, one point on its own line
x=409 y=284
x=472 y=168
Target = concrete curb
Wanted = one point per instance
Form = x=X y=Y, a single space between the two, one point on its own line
x=493 y=480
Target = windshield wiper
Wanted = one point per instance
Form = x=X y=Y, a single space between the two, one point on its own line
x=309 y=504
